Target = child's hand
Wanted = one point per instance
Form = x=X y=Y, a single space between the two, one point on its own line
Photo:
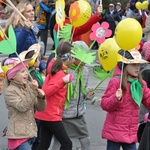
x=99 y=9
x=41 y=93
x=119 y=94
x=34 y=85
x=68 y=78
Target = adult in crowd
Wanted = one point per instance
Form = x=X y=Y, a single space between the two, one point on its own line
x=133 y=13
x=25 y=36
x=24 y=30
x=42 y=17
x=119 y=9
x=112 y=17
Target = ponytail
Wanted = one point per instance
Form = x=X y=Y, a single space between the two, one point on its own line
x=57 y=66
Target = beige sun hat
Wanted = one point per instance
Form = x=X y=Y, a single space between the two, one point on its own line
x=131 y=57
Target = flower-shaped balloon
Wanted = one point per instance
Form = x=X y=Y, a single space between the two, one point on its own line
x=60 y=13
x=100 y=32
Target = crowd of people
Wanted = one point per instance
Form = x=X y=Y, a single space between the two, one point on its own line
x=45 y=97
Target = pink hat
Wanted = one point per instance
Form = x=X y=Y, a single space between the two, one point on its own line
x=146 y=50
x=12 y=65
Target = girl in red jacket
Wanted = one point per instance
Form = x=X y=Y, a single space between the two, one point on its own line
x=55 y=89
x=122 y=103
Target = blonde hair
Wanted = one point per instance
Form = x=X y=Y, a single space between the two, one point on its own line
x=16 y=19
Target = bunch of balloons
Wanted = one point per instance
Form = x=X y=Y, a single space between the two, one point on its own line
x=141 y=6
x=128 y=35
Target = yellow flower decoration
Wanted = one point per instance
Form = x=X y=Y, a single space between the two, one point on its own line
x=60 y=13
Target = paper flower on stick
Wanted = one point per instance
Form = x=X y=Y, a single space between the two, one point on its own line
x=100 y=32
x=65 y=33
x=82 y=54
x=9 y=46
x=60 y=13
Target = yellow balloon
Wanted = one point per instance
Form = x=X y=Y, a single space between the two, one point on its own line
x=145 y=5
x=138 y=5
x=79 y=13
x=128 y=33
x=108 y=54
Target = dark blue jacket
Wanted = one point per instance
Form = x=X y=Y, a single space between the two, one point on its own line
x=25 y=38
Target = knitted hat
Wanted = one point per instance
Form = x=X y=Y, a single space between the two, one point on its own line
x=146 y=50
x=11 y=65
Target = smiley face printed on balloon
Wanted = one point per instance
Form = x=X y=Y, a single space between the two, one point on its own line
x=103 y=54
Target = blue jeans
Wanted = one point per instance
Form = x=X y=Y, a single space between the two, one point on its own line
x=116 y=146
x=24 y=146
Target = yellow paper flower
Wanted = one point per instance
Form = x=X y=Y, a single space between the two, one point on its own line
x=60 y=13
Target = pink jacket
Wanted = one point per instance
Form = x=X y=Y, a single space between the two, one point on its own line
x=121 y=122
x=55 y=91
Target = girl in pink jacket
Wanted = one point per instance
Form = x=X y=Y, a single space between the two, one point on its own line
x=122 y=103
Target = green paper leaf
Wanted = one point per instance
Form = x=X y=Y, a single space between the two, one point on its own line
x=69 y=94
x=65 y=33
x=101 y=74
x=9 y=46
x=80 y=53
x=56 y=40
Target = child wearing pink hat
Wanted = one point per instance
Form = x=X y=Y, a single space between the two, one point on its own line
x=22 y=98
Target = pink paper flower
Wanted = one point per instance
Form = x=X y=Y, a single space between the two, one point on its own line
x=100 y=32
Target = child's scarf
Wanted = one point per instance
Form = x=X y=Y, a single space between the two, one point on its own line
x=136 y=90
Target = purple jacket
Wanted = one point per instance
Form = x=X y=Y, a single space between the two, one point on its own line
x=121 y=122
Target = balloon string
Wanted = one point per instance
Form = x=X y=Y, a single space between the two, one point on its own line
x=72 y=35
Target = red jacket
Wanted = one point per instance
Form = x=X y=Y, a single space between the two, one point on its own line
x=55 y=91
x=82 y=29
